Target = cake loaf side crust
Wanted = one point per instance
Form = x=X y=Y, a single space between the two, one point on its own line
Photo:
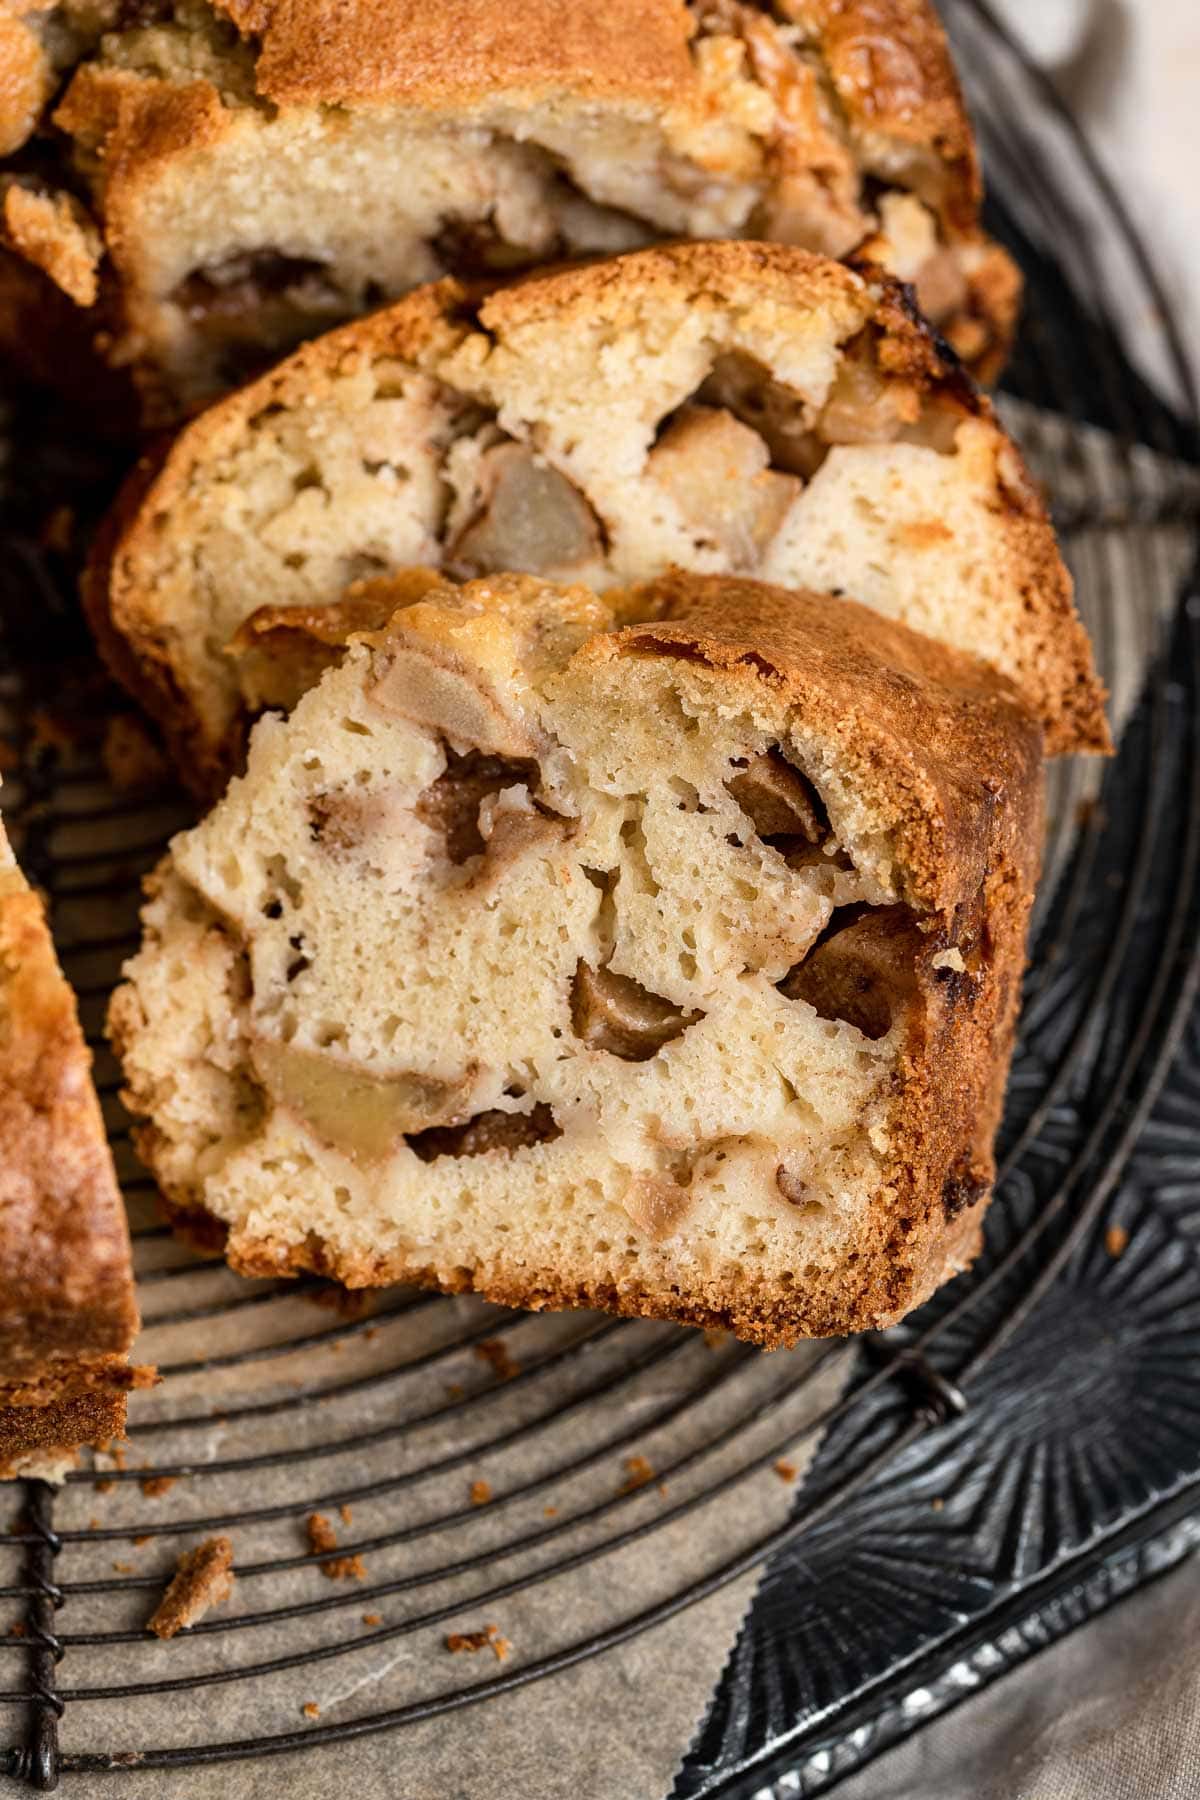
x=67 y=1310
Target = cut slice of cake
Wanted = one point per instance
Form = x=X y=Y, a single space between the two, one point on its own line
x=67 y=1309
x=717 y=407
x=219 y=181
x=668 y=967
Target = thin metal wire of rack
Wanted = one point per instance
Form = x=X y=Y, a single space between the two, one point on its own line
x=714 y=1417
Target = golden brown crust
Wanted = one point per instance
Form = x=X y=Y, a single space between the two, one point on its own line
x=136 y=125
x=26 y=81
x=712 y=275
x=64 y=1244
x=461 y=51
x=45 y=1439
x=69 y=1376
x=67 y=1310
x=888 y=60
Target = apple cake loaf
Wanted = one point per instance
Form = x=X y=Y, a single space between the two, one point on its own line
x=219 y=180
x=67 y=1310
x=656 y=951
x=718 y=407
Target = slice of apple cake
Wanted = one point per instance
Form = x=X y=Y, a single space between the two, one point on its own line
x=657 y=951
x=725 y=408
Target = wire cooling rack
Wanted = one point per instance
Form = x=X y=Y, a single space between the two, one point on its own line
x=1007 y=1462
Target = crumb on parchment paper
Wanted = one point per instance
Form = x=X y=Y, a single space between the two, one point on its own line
x=490 y=1638
x=203 y=1578
x=322 y=1539
x=638 y=1473
x=495 y=1352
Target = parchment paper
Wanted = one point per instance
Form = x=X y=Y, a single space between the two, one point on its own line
x=612 y=1726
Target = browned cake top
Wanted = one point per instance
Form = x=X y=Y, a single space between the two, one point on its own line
x=458 y=50
x=708 y=274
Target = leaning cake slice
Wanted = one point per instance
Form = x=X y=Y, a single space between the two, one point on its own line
x=665 y=966
x=67 y=1310
x=725 y=408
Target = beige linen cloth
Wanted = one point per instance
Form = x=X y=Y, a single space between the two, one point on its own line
x=1111 y=1712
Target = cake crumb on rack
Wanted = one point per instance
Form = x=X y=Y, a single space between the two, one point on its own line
x=638 y=1473
x=203 y=1578
x=322 y=1538
x=490 y=1638
x=495 y=1352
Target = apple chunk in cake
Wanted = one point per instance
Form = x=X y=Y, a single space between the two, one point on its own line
x=657 y=952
